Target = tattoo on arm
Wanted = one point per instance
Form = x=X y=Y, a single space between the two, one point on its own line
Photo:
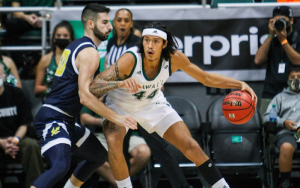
x=105 y=81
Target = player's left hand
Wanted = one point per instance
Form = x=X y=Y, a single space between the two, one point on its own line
x=131 y=84
x=248 y=89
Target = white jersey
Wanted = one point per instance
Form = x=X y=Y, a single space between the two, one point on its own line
x=150 y=92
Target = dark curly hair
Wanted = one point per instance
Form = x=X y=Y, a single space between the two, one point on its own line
x=172 y=43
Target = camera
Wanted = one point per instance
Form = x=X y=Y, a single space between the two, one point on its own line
x=280 y=24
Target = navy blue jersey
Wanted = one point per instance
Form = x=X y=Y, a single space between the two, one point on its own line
x=64 y=95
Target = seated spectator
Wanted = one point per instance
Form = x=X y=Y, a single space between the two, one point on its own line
x=22 y=22
x=63 y=34
x=138 y=149
x=11 y=71
x=14 y=119
x=288 y=108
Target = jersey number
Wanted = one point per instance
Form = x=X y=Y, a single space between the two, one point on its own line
x=62 y=63
x=141 y=95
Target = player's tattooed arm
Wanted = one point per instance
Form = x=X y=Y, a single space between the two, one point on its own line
x=106 y=81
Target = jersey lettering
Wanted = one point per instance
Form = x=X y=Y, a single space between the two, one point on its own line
x=62 y=62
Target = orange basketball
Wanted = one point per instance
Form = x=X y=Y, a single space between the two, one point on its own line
x=238 y=107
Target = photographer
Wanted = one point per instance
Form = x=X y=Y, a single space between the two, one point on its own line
x=281 y=50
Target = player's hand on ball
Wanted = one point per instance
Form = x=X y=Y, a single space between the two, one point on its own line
x=131 y=84
x=248 y=89
x=127 y=121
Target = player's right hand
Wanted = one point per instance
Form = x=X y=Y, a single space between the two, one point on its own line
x=290 y=125
x=131 y=84
x=127 y=121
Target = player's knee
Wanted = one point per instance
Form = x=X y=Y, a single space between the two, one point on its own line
x=114 y=140
x=142 y=151
x=60 y=168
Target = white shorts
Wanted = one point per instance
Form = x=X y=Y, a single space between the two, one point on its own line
x=157 y=117
x=133 y=141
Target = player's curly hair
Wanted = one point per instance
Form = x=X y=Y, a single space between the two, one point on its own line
x=172 y=42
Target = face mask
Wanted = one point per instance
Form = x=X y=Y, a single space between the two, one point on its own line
x=1 y=82
x=62 y=43
x=294 y=84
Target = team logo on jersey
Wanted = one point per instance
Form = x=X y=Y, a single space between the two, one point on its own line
x=55 y=131
x=166 y=66
x=155 y=31
x=139 y=72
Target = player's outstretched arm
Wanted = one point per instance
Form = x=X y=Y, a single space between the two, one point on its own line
x=87 y=62
x=180 y=61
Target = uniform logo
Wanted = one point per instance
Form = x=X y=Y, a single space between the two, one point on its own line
x=231 y=115
x=166 y=66
x=139 y=72
x=155 y=31
x=55 y=131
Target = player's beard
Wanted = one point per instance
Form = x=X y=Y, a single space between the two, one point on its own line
x=101 y=36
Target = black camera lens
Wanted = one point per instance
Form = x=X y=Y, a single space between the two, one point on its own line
x=280 y=24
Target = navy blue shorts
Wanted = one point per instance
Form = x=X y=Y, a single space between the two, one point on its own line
x=54 y=128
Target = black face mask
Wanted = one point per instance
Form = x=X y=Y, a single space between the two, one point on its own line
x=294 y=85
x=62 y=43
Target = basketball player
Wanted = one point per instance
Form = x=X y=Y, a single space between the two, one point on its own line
x=55 y=122
x=151 y=63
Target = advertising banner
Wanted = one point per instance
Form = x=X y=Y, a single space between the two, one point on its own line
x=222 y=41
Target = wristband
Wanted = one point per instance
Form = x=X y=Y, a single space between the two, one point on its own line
x=17 y=139
x=284 y=42
x=271 y=36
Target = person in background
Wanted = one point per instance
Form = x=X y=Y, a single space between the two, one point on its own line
x=280 y=51
x=288 y=108
x=137 y=31
x=21 y=22
x=11 y=71
x=14 y=119
x=63 y=34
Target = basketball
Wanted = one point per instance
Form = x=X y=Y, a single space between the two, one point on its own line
x=238 y=107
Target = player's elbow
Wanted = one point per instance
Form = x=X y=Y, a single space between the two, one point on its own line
x=83 y=98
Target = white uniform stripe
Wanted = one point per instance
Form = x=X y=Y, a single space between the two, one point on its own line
x=120 y=49
x=114 y=55
x=55 y=142
x=109 y=55
x=74 y=53
x=82 y=139
x=57 y=109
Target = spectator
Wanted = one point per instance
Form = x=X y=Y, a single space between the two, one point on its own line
x=22 y=22
x=288 y=108
x=63 y=34
x=122 y=40
x=137 y=31
x=138 y=149
x=14 y=118
x=11 y=71
x=280 y=51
